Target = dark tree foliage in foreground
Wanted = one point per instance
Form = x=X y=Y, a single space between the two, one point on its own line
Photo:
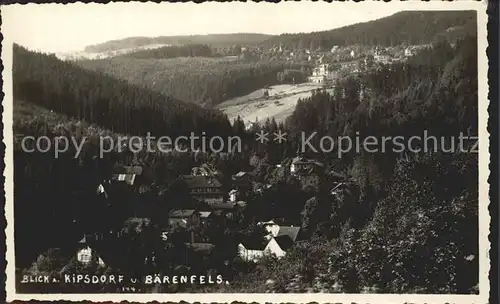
x=114 y=104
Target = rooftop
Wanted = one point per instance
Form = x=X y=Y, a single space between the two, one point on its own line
x=205 y=247
x=240 y=174
x=122 y=177
x=198 y=181
x=128 y=170
x=205 y=214
x=181 y=213
x=303 y=160
x=255 y=243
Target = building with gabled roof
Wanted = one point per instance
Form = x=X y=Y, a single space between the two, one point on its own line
x=284 y=242
x=86 y=255
x=204 y=188
x=255 y=249
x=184 y=218
x=303 y=164
x=181 y=213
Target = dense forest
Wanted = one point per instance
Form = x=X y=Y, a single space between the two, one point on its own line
x=214 y=40
x=204 y=81
x=114 y=104
x=188 y=50
x=411 y=27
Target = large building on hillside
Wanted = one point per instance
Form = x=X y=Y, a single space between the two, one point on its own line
x=127 y=174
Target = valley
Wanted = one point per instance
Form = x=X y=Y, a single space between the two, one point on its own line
x=255 y=107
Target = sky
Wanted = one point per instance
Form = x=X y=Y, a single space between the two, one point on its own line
x=65 y=28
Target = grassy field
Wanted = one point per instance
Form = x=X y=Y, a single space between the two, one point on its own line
x=279 y=105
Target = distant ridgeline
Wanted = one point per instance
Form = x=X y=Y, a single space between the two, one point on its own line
x=215 y=40
x=412 y=27
x=108 y=102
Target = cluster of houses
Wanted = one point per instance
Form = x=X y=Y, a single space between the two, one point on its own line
x=307 y=171
x=216 y=203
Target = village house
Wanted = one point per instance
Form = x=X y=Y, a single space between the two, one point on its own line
x=204 y=188
x=309 y=179
x=338 y=188
x=184 y=218
x=242 y=175
x=206 y=248
x=275 y=230
x=251 y=251
x=206 y=216
x=127 y=174
x=242 y=181
x=101 y=190
x=308 y=175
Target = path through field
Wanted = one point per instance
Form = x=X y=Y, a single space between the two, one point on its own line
x=255 y=107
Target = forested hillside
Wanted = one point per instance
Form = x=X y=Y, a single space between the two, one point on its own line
x=407 y=222
x=114 y=104
x=214 y=40
x=411 y=27
x=204 y=81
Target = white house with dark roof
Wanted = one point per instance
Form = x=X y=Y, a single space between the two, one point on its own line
x=257 y=249
x=206 y=216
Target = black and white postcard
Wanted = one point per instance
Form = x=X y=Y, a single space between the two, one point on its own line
x=256 y=152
